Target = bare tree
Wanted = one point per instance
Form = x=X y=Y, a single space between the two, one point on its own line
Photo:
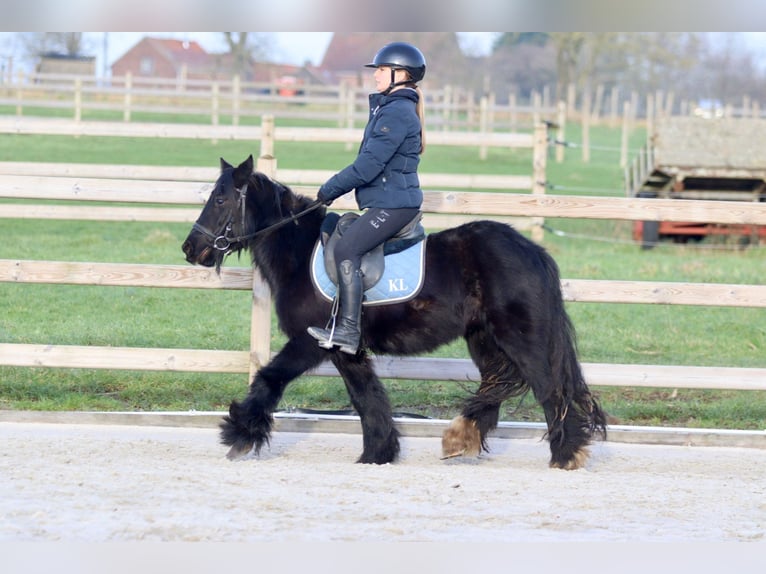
x=728 y=72
x=522 y=68
x=245 y=48
x=38 y=43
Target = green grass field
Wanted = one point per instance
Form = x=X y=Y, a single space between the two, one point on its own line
x=82 y=315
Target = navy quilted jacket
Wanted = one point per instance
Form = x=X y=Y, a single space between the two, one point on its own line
x=384 y=172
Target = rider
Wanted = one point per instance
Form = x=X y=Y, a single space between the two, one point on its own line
x=385 y=177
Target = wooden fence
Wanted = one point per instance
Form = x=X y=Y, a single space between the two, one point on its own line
x=234 y=101
x=190 y=186
x=449 y=108
x=221 y=105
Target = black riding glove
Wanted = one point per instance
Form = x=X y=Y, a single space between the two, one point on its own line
x=322 y=196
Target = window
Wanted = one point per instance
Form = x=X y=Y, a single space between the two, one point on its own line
x=146 y=68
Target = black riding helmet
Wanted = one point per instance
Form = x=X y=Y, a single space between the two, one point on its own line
x=400 y=56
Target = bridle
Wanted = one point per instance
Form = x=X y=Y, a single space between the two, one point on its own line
x=223 y=239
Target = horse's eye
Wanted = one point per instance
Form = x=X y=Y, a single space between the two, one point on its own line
x=220 y=199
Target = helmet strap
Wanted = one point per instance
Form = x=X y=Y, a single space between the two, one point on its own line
x=393 y=83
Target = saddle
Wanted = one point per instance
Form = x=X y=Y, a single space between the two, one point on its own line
x=373 y=262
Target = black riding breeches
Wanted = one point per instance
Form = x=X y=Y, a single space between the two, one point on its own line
x=371 y=229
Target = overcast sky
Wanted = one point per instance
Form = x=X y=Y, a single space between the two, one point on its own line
x=289 y=47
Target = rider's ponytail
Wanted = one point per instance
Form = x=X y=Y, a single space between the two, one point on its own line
x=421 y=110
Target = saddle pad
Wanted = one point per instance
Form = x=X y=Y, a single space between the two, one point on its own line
x=402 y=279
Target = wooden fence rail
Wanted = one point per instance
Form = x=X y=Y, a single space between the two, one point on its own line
x=443 y=202
x=264 y=133
x=179 y=188
x=234 y=101
x=184 y=276
x=427 y=369
x=170 y=276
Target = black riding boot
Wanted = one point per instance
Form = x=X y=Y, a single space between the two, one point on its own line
x=347 y=331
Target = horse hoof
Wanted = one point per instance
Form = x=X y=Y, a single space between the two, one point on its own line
x=578 y=460
x=451 y=455
x=461 y=438
x=237 y=451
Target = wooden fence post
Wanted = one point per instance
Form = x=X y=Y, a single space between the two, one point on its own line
x=267 y=137
x=349 y=113
x=126 y=101
x=561 y=120
x=343 y=91
x=539 y=158
x=586 y=126
x=659 y=99
x=634 y=106
x=536 y=105
x=181 y=77
x=470 y=111
x=446 y=107
x=214 y=106
x=625 y=133
x=236 y=95
x=19 y=93
x=513 y=111
x=483 y=125
x=649 y=118
x=571 y=101
x=260 y=311
x=77 y=99
x=614 y=106
x=595 y=111
x=214 y=103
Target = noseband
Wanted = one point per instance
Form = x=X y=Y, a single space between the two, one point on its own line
x=223 y=240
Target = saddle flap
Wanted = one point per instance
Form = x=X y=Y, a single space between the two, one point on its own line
x=373 y=262
x=329 y=223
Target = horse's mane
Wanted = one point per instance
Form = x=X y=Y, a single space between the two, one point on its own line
x=284 y=198
x=269 y=202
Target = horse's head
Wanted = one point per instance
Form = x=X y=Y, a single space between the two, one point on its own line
x=222 y=226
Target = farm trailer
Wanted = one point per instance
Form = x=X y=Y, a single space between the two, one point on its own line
x=700 y=158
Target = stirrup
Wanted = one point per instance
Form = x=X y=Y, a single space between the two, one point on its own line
x=324 y=336
x=325 y=339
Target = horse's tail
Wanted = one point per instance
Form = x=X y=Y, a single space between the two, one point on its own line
x=588 y=416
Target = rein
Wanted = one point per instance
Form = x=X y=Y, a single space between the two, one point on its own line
x=222 y=241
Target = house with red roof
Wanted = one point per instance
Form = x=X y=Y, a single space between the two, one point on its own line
x=171 y=58
x=343 y=61
x=166 y=58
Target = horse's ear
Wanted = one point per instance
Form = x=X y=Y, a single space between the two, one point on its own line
x=247 y=164
x=225 y=164
x=243 y=172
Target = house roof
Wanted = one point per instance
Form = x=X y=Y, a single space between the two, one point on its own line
x=345 y=56
x=181 y=52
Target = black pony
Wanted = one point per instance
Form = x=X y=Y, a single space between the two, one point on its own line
x=484 y=282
